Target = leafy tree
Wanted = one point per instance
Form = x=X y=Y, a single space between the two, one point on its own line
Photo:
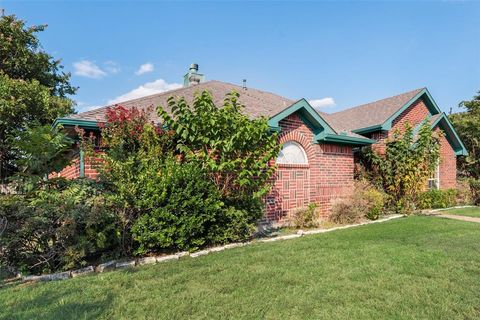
x=40 y=151
x=467 y=124
x=408 y=161
x=235 y=150
x=33 y=87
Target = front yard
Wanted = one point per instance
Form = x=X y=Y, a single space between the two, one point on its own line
x=416 y=267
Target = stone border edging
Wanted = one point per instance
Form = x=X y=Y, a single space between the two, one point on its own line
x=429 y=211
x=112 y=265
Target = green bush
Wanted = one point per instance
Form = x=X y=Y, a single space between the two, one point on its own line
x=434 y=199
x=183 y=210
x=62 y=226
x=305 y=217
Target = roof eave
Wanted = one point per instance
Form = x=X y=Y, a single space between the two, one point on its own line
x=70 y=122
x=343 y=139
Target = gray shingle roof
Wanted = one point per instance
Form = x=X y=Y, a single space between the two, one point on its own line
x=257 y=103
x=370 y=114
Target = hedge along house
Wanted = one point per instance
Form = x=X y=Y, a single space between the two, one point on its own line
x=316 y=163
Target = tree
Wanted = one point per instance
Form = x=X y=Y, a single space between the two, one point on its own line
x=33 y=87
x=408 y=161
x=41 y=150
x=467 y=124
x=235 y=150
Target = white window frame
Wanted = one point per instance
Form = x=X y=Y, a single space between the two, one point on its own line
x=434 y=180
x=281 y=158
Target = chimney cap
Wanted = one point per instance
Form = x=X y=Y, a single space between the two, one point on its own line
x=194 y=66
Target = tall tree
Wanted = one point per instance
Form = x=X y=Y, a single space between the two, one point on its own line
x=33 y=86
x=467 y=125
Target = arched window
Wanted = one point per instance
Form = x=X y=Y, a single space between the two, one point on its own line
x=292 y=153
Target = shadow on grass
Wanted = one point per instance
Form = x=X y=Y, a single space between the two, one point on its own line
x=59 y=304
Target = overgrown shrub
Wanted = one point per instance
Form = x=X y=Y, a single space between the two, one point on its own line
x=475 y=189
x=433 y=199
x=404 y=168
x=305 y=217
x=345 y=211
x=366 y=202
x=61 y=226
x=464 y=193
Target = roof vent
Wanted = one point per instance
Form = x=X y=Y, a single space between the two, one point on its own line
x=192 y=77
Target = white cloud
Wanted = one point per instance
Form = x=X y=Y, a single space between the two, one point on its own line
x=89 y=69
x=157 y=86
x=322 y=103
x=112 y=67
x=144 y=68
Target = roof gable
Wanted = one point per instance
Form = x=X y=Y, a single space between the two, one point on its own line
x=453 y=139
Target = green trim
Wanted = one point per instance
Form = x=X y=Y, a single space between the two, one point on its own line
x=69 y=122
x=431 y=105
x=340 y=138
x=82 y=164
x=307 y=114
x=374 y=128
x=454 y=141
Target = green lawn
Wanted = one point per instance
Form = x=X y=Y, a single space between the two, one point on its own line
x=469 y=212
x=409 y=268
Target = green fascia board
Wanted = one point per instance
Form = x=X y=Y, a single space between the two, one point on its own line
x=307 y=114
x=69 y=122
x=431 y=105
x=373 y=128
x=452 y=138
x=343 y=139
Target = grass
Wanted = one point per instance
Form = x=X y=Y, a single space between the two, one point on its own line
x=409 y=268
x=469 y=212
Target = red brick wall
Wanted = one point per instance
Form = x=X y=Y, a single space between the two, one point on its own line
x=73 y=170
x=328 y=174
x=415 y=114
x=448 y=165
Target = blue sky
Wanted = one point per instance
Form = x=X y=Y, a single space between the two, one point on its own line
x=342 y=54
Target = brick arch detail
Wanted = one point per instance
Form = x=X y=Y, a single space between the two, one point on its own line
x=302 y=140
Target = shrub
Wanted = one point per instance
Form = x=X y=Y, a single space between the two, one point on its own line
x=475 y=189
x=366 y=202
x=182 y=209
x=305 y=217
x=345 y=211
x=464 y=193
x=62 y=226
x=433 y=199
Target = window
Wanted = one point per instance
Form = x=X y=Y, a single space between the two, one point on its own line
x=434 y=180
x=292 y=153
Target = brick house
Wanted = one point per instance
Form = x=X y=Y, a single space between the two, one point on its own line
x=316 y=162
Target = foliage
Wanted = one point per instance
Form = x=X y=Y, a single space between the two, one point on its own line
x=33 y=86
x=467 y=125
x=235 y=150
x=305 y=217
x=180 y=188
x=433 y=199
x=179 y=206
x=406 y=165
x=475 y=189
x=62 y=226
x=366 y=202
x=464 y=193
x=41 y=150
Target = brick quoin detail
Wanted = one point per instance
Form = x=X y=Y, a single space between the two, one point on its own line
x=327 y=176
x=416 y=114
